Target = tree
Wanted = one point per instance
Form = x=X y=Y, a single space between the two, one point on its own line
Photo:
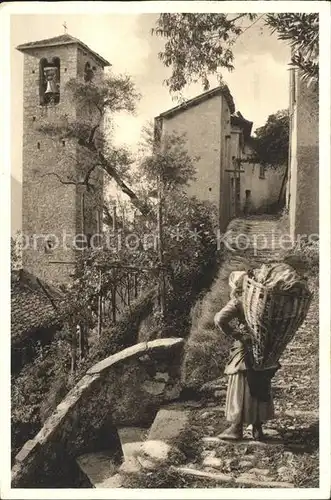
x=301 y=32
x=167 y=160
x=97 y=102
x=200 y=45
x=271 y=141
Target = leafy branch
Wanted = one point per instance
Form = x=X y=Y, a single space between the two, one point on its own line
x=200 y=45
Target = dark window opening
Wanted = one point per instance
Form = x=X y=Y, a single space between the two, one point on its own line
x=33 y=71
x=89 y=240
x=65 y=70
x=209 y=189
x=49 y=245
x=94 y=68
x=88 y=73
x=262 y=172
x=49 y=81
x=38 y=145
x=63 y=143
x=33 y=118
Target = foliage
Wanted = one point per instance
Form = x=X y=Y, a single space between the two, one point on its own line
x=114 y=93
x=189 y=253
x=304 y=255
x=115 y=338
x=97 y=105
x=189 y=246
x=197 y=45
x=163 y=477
x=191 y=257
x=170 y=163
x=200 y=45
x=39 y=386
x=271 y=141
x=301 y=32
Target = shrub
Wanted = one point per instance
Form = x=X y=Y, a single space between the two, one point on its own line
x=304 y=256
x=163 y=477
x=36 y=391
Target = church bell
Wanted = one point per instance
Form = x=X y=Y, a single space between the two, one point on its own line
x=51 y=80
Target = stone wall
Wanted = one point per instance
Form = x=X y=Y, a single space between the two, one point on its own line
x=264 y=190
x=52 y=210
x=303 y=184
x=124 y=389
x=207 y=130
x=48 y=206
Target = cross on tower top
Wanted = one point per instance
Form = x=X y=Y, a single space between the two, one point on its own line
x=65 y=27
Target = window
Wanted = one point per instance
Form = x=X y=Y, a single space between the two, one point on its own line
x=262 y=172
x=49 y=245
x=49 y=81
x=88 y=73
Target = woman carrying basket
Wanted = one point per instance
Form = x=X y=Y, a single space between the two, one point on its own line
x=249 y=399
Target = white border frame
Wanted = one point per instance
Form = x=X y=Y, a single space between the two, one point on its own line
x=323 y=7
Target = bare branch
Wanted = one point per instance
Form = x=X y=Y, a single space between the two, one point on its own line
x=59 y=178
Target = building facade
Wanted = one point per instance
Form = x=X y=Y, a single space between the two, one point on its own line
x=303 y=179
x=257 y=188
x=206 y=122
x=53 y=211
x=220 y=139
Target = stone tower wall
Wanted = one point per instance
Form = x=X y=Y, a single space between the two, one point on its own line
x=50 y=207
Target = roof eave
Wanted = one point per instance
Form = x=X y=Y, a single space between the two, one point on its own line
x=24 y=47
x=222 y=91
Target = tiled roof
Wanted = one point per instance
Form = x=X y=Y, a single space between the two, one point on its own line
x=61 y=40
x=238 y=120
x=31 y=308
x=221 y=90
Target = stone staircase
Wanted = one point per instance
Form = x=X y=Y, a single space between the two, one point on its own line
x=292 y=438
x=255 y=238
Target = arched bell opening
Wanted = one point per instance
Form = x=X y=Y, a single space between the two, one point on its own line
x=88 y=73
x=49 y=81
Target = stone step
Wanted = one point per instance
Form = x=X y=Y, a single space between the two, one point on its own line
x=296 y=347
x=132 y=440
x=258 y=483
x=243 y=479
x=132 y=434
x=99 y=467
x=269 y=441
x=218 y=477
x=169 y=423
x=131 y=451
x=302 y=413
x=289 y=363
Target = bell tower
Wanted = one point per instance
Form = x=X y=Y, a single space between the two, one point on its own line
x=54 y=212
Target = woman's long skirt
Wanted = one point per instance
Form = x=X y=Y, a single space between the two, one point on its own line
x=240 y=407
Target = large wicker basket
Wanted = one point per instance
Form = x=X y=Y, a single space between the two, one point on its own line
x=273 y=319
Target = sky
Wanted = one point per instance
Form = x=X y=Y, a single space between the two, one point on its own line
x=259 y=83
